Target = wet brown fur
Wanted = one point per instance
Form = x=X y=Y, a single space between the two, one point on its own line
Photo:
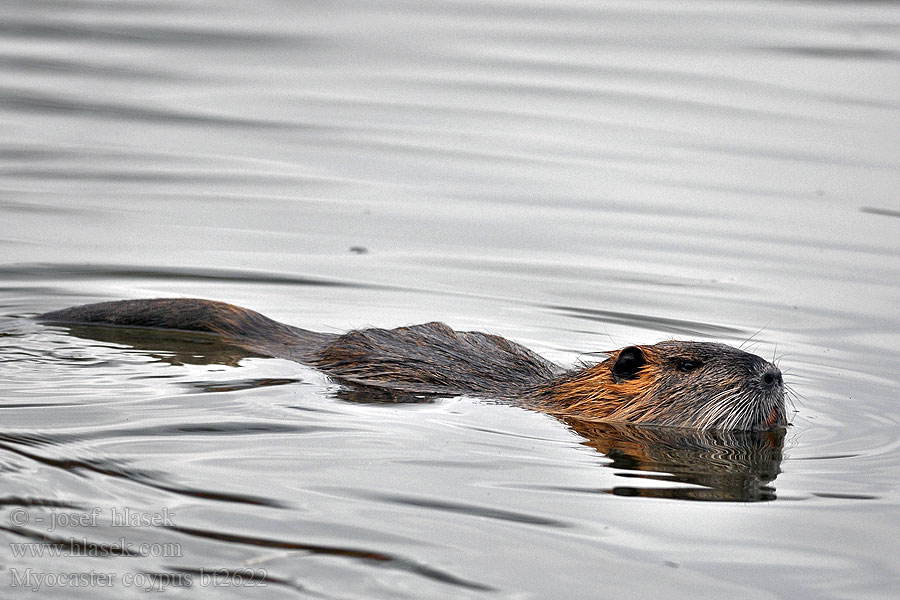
x=434 y=359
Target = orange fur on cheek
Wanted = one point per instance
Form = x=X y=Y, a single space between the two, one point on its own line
x=596 y=393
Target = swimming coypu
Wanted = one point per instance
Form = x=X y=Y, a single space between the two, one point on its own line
x=682 y=384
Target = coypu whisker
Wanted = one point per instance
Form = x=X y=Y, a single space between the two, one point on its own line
x=790 y=395
x=747 y=341
x=699 y=385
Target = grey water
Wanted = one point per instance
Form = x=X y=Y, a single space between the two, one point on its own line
x=575 y=176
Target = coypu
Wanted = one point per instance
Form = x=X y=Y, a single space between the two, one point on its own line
x=697 y=385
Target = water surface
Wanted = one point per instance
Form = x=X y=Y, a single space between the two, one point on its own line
x=577 y=177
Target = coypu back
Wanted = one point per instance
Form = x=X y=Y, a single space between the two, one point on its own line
x=433 y=358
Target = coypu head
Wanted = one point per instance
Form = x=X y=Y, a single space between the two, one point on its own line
x=681 y=384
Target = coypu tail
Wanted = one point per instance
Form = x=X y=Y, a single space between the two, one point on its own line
x=239 y=326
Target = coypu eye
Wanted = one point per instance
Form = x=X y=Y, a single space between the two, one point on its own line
x=688 y=364
x=628 y=363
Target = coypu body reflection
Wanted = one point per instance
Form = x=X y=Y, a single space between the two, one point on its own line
x=718 y=465
x=696 y=385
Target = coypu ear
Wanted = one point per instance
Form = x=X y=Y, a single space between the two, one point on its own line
x=628 y=363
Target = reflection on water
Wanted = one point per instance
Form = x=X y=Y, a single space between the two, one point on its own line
x=729 y=466
x=179 y=348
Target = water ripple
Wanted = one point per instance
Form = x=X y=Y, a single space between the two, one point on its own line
x=148 y=35
x=389 y=560
x=47 y=103
x=68 y=271
x=651 y=322
x=839 y=52
x=884 y=212
x=40 y=64
x=468 y=509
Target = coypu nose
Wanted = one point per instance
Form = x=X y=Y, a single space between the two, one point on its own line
x=771 y=377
